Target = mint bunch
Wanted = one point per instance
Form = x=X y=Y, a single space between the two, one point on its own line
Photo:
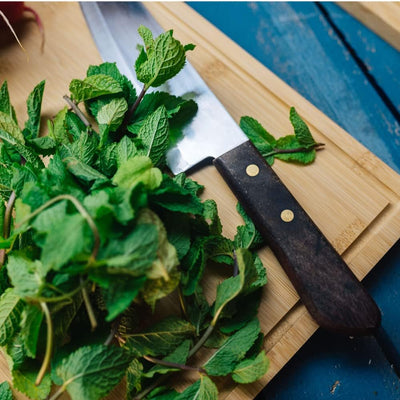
x=104 y=253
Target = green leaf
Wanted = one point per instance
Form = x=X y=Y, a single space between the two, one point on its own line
x=45 y=145
x=138 y=170
x=84 y=148
x=93 y=86
x=31 y=322
x=225 y=359
x=27 y=276
x=197 y=308
x=147 y=37
x=83 y=171
x=247 y=235
x=301 y=130
x=203 y=389
x=74 y=125
x=290 y=142
x=91 y=372
x=57 y=127
x=11 y=308
x=5 y=391
x=251 y=370
x=156 y=289
x=174 y=197
x=5 y=104
x=23 y=380
x=8 y=126
x=178 y=356
x=112 y=114
x=256 y=132
x=134 y=378
x=69 y=241
x=121 y=291
x=153 y=136
x=15 y=352
x=211 y=214
x=34 y=107
x=165 y=58
x=134 y=254
x=162 y=338
x=125 y=150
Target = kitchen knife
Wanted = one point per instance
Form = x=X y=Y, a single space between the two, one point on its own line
x=328 y=288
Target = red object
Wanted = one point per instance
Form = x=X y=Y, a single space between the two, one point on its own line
x=13 y=10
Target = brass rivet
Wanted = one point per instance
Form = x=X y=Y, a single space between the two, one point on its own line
x=252 y=170
x=287 y=215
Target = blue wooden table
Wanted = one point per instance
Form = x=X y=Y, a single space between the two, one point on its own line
x=353 y=76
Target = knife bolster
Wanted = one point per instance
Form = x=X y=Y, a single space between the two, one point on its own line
x=326 y=285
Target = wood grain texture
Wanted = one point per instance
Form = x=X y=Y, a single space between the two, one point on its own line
x=351 y=195
x=381 y=17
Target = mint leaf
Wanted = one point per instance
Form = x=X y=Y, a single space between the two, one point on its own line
x=164 y=59
x=31 y=322
x=9 y=127
x=5 y=391
x=83 y=171
x=93 y=86
x=301 y=130
x=91 y=372
x=125 y=150
x=138 y=170
x=225 y=359
x=178 y=356
x=153 y=136
x=288 y=148
x=247 y=235
x=162 y=338
x=15 y=352
x=11 y=308
x=203 y=389
x=256 y=132
x=5 y=104
x=57 y=127
x=251 y=370
x=23 y=380
x=34 y=107
x=73 y=239
x=27 y=276
x=134 y=378
x=112 y=114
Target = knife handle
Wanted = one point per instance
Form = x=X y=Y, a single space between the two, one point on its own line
x=326 y=285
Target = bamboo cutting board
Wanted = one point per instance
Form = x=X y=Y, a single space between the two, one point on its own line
x=352 y=196
x=381 y=17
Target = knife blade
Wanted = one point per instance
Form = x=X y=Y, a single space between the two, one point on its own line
x=326 y=285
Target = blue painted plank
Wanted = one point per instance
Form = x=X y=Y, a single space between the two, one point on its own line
x=292 y=40
x=381 y=59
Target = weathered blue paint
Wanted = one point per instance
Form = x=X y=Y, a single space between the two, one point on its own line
x=296 y=43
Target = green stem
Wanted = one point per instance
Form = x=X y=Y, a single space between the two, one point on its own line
x=173 y=365
x=78 y=112
x=316 y=146
x=49 y=344
x=201 y=341
x=88 y=305
x=80 y=209
x=65 y=296
x=132 y=110
x=7 y=224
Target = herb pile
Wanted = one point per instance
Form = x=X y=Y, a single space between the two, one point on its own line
x=103 y=251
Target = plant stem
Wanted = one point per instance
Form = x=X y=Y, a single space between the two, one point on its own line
x=316 y=146
x=78 y=112
x=132 y=110
x=7 y=224
x=88 y=305
x=80 y=209
x=49 y=344
x=202 y=340
x=65 y=296
x=173 y=365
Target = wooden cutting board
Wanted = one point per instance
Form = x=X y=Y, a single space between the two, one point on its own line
x=351 y=195
x=381 y=17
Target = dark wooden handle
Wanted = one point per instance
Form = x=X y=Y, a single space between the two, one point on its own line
x=326 y=285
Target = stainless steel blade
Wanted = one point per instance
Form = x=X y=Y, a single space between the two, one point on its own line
x=212 y=132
